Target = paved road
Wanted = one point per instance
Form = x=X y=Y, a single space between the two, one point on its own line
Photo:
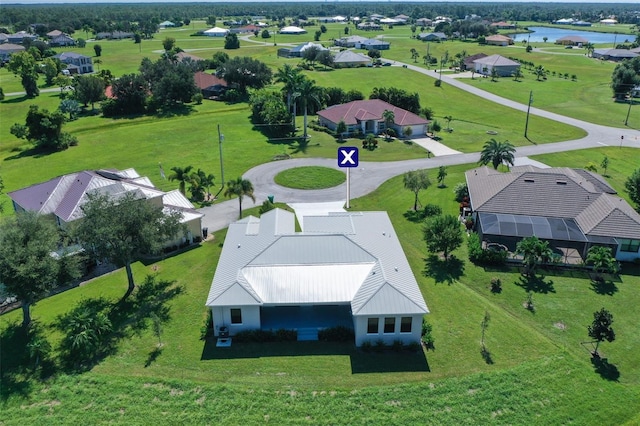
x=369 y=175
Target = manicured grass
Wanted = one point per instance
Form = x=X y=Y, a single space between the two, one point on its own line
x=312 y=177
x=332 y=382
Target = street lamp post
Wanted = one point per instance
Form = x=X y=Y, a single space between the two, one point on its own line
x=526 y=125
x=220 y=140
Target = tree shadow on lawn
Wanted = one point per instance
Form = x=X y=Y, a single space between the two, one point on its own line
x=153 y=356
x=441 y=270
x=535 y=284
x=361 y=362
x=604 y=287
x=486 y=355
x=18 y=370
x=606 y=370
x=31 y=152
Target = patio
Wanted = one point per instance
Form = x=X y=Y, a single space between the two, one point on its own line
x=306 y=319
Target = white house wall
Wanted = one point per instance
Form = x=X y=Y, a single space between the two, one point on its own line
x=360 y=330
x=222 y=317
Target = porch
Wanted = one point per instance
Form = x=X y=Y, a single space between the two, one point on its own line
x=306 y=319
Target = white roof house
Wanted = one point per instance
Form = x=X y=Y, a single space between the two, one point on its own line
x=292 y=30
x=349 y=261
x=216 y=32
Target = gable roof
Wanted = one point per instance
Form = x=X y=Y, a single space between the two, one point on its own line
x=71 y=55
x=573 y=38
x=204 y=80
x=372 y=109
x=64 y=196
x=554 y=193
x=264 y=261
x=496 y=61
x=304 y=46
x=349 y=56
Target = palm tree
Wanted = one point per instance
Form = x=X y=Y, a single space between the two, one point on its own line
x=341 y=128
x=442 y=173
x=182 y=176
x=291 y=78
x=448 y=118
x=590 y=47
x=205 y=180
x=414 y=55
x=517 y=74
x=534 y=251
x=389 y=118
x=539 y=72
x=240 y=187
x=309 y=92
x=496 y=153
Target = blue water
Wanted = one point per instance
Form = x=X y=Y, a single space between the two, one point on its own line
x=553 y=34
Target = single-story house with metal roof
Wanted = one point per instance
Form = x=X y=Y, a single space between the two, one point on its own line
x=432 y=36
x=367 y=117
x=373 y=43
x=63 y=197
x=572 y=41
x=343 y=268
x=349 y=58
x=216 y=32
x=504 y=67
x=573 y=209
x=292 y=30
x=614 y=54
x=166 y=24
x=498 y=40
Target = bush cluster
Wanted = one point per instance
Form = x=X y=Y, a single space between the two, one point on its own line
x=480 y=256
x=427 y=338
x=336 y=334
x=262 y=336
x=397 y=346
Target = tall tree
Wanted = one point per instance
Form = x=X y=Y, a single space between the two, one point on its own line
x=240 y=188
x=415 y=181
x=24 y=65
x=626 y=75
x=389 y=118
x=309 y=93
x=534 y=252
x=130 y=93
x=231 y=41
x=168 y=43
x=600 y=329
x=89 y=89
x=27 y=268
x=291 y=78
x=443 y=234
x=122 y=229
x=632 y=185
x=245 y=72
x=442 y=174
x=44 y=129
x=182 y=176
x=97 y=50
x=496 y=153
x=605 y=164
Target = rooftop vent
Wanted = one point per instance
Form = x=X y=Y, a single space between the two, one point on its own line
x=529 y=180
x=562 y=182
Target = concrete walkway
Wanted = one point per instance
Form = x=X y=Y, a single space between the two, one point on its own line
x=369 y=175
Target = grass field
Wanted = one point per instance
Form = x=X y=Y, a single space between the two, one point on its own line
x=312 y=177
x=327 y=383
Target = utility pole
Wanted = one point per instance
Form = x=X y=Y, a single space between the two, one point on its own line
x=220 y=140
x=526 y=126
x=626 y=120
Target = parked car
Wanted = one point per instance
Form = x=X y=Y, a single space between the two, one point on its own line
x=386 y=64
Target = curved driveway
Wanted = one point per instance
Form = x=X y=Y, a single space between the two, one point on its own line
x=369 y=175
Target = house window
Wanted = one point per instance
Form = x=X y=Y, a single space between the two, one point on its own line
x=389 y=325
x=236 y=316
x=630 y=246
x=405 y=325
x=372 y=326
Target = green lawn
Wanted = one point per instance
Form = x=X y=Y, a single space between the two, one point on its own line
x=527 y=349
x=312 y=177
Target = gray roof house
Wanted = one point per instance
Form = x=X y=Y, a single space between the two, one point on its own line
x=373 y=43
x=432 y=36
x=349 y=58
x=63 y=197
x=572 y=208
x=350 y=41
x=504 y=67
x=8 y=49
x=343 y=268
x=76 y=63
x=614 y=54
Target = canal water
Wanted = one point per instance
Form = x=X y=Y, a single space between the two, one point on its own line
x=552 y=34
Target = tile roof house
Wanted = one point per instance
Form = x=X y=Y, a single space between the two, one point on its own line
x=344 y=268
x=367 y=117
x=211 y=86
x=499 y=40
x=571 y=208
x=63 y=197
x=76 y=63
x=504 y=67
x=572 y=41
x=469 y=61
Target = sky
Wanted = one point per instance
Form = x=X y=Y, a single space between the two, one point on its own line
x=6 y=2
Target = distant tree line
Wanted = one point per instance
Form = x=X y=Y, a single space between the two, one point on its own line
x=132 y=17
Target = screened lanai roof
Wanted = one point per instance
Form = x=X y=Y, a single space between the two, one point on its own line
x=547 y=228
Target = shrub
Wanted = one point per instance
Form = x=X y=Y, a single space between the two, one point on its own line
x=496 y=285
x=427 y=337
x=380 y=346
x=413 y=347
x=475 y=248
x=207 y=328
x=366 y=346
x=431 y=210
x=197 y=98
x=437 y=83
x=461 y=191
x=262 y=336
x=336 y=334
x=397 y=345
x=480 y=256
